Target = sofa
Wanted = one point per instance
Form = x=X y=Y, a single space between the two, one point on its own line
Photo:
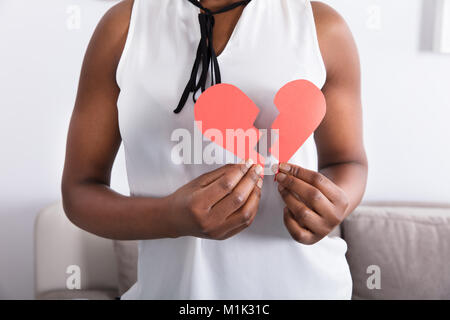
x=395 y=251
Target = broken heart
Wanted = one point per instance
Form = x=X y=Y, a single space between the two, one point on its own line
x=302 y=108
x=225 y=111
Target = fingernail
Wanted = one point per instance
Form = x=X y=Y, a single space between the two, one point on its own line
x=260 y=183
x=280 y=188
x=281 y=177
x=285 y=167
x=249 y=163
x=258 y=169
x=275 y=168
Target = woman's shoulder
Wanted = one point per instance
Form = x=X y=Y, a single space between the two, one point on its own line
x=117 y=18
x=119 y=14
x=108 y=41
x=333 y=32
x=112 y=30
x=328 y=20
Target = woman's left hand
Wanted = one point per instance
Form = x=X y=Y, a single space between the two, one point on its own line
x=314 y=204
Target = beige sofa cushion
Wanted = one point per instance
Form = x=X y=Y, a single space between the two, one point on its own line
x=59 y=244
x=411 y=246
x=79 y=295
x=127 y=258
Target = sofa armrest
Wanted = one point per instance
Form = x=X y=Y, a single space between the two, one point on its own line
x=64 y=251
x=407 y=245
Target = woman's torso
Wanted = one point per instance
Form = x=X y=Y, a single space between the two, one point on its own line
x=273 y=43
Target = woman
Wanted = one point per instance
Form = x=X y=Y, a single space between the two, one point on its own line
x=214 y=231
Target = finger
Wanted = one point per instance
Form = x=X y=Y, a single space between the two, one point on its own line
x=238 y=197
x=297 y=232
x=222 y=186
x=242 y=218
x=209 y=177
x=309 y=194
x=316 y=179
x=212 y=176
x=305 y=216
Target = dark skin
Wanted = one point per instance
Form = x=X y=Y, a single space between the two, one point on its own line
x=221 y=203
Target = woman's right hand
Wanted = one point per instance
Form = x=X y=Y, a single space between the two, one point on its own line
x=218 y=204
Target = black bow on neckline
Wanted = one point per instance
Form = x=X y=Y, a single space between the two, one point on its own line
x=206 y=56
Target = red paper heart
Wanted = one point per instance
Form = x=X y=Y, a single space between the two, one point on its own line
x=302 y=108
x=224 y=108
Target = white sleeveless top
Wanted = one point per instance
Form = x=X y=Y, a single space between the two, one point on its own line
x=273 y=43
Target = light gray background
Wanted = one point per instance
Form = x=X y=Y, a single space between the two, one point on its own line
x=406 y=111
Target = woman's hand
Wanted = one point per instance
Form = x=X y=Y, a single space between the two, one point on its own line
x=218 y=204
x=314 y=204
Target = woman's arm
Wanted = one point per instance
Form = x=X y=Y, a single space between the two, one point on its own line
x=93 y=142
x=316 y=202
x=217 y=205
x=339 y=138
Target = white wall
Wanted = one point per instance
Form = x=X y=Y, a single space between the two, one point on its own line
x=406 y=99
x=40 y=59
x=406 y=102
